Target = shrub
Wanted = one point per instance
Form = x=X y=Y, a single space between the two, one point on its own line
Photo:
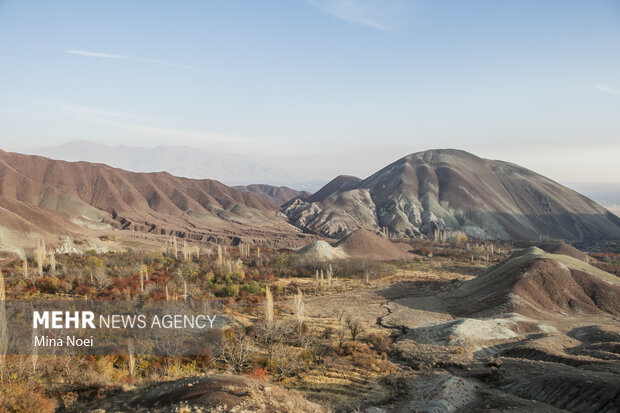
x=232 y=290
x=288 y=362
x=50 y=285
x=364 y=360
x=320 y=352
x=381 y=344
x=94 y=262
x=22 y=398
x=461 y=238
x=258 y=372
x=252 y=288
x=85 y=289
x=235 y=276
x=350 y=347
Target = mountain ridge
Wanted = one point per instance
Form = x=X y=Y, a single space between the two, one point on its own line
x=82 y=196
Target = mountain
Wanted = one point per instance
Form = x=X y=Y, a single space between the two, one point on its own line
x=185 y=161
x=43 y=197
x=338 y=184
x=443 y=191
x=278 y=195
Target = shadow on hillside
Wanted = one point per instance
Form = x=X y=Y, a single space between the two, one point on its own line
x=466 y=270
x=418 y=288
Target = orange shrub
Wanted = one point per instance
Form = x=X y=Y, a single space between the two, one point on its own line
x=21 y=398
x=258 y=373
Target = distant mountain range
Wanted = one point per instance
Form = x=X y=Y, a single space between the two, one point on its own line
x=605 y=193
x=443 y=191
x=426 y=194
x=183 y=161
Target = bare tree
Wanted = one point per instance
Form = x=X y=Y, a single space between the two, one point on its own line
x=52 y=261
x=132 y=358
x=299 y=307
x=101 y=279
x=25 y=267
x=237 y=353
x=342 y=333
x=35 y=353
x=340 y=315
x=270 y=336
x=186 y=253
x=355 y=327
x=40 y=256
x=288 y=362
x=330 y=275
x=144 y=270
x=268 y=306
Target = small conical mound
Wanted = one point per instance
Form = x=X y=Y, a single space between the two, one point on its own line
x=365 y=244
x=320 y=251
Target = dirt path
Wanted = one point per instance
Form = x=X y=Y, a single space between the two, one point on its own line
x=393 y=306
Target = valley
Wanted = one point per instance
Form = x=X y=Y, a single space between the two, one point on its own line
x=371 y=295
x=310 y=206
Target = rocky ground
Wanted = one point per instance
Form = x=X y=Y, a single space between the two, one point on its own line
x=437 y=359
x=214 y=393
x=506 y=363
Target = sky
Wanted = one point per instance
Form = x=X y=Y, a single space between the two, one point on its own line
x=320 y=87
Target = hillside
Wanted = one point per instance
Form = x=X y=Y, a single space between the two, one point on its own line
x=42 y=197
x=453 y=190
x=533 y=282
x=277 y=195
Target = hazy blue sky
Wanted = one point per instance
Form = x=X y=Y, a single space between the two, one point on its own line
x=320 y=86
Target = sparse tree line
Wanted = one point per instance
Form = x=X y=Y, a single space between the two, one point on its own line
x=180 y=271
